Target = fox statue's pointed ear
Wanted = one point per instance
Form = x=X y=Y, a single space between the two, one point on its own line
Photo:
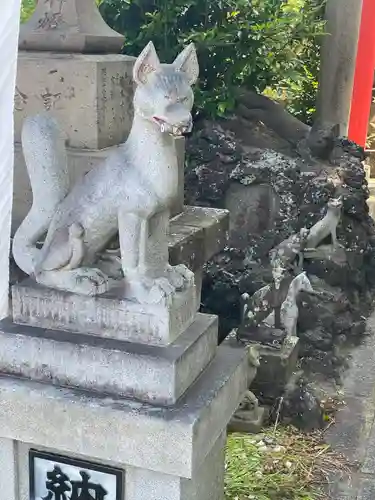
x=146 y=63
x=187 y=62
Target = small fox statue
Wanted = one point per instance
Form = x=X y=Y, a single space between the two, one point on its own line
x=132 y=191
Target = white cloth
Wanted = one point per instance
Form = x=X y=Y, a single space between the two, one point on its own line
x=9 y=30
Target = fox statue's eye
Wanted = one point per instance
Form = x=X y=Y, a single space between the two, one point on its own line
x=183 y=100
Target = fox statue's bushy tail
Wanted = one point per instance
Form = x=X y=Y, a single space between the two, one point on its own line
x=46 y=161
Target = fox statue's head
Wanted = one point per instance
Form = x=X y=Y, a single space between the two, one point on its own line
x=163 y=95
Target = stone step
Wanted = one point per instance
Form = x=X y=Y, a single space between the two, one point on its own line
x=173 y=441
x=158 y=375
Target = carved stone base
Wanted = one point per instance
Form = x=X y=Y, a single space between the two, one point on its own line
x=107 y=315
x=158 y=375
x=276 y=368
x=252 y=424
x=175 y=442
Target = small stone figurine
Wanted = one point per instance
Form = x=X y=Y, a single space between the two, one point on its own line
x=260 y=305
x=326 y=226
x=131 y=192
x=249 y=416
x=289 y=308
x=288 y=254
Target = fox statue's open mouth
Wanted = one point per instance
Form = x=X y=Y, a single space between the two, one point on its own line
x=176 y=130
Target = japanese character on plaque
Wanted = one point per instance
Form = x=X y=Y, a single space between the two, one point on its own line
x=53 y=477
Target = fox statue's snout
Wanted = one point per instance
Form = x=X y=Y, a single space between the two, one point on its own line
x=179 y=122
x=163 y=95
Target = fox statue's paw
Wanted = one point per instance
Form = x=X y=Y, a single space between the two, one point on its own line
x=157 y=290
x=179 y=276
x=91 y=281
x=84 y=280
x=146 y=290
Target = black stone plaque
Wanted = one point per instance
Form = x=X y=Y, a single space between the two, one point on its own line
x=54 y=477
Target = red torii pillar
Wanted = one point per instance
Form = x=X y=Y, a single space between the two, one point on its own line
x=364 y=76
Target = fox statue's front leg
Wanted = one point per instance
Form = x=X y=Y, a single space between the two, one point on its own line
x=144 y=257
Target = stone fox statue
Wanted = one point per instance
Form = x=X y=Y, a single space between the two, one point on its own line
x=131 y=191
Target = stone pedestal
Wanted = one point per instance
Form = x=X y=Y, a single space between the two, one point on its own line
x=170 y=452
x=276 y=368
x=102 y=385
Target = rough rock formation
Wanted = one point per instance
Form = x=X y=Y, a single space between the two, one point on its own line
x=272 y=195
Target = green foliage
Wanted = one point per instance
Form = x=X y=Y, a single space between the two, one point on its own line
x=271 y=46
x=290 y=467
x=27 y=8
x=260 y=44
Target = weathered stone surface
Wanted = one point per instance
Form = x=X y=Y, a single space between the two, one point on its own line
x=158 y=375
x=252 y=209
x=140 y=484
x=251 y=425
x=300 y=406
x=207 y=484
x=338 y=62
x=90 y=95
x=80 y=161
x=276 y=368
x=206 y=226
x=107 y=315
x=68 y=26
x=186 y=245
x=172 y=441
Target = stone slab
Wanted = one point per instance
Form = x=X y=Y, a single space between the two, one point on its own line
x=107 y=315
x=158 y=375
x=172 y=441
x=214 y=223
x=90 y=95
